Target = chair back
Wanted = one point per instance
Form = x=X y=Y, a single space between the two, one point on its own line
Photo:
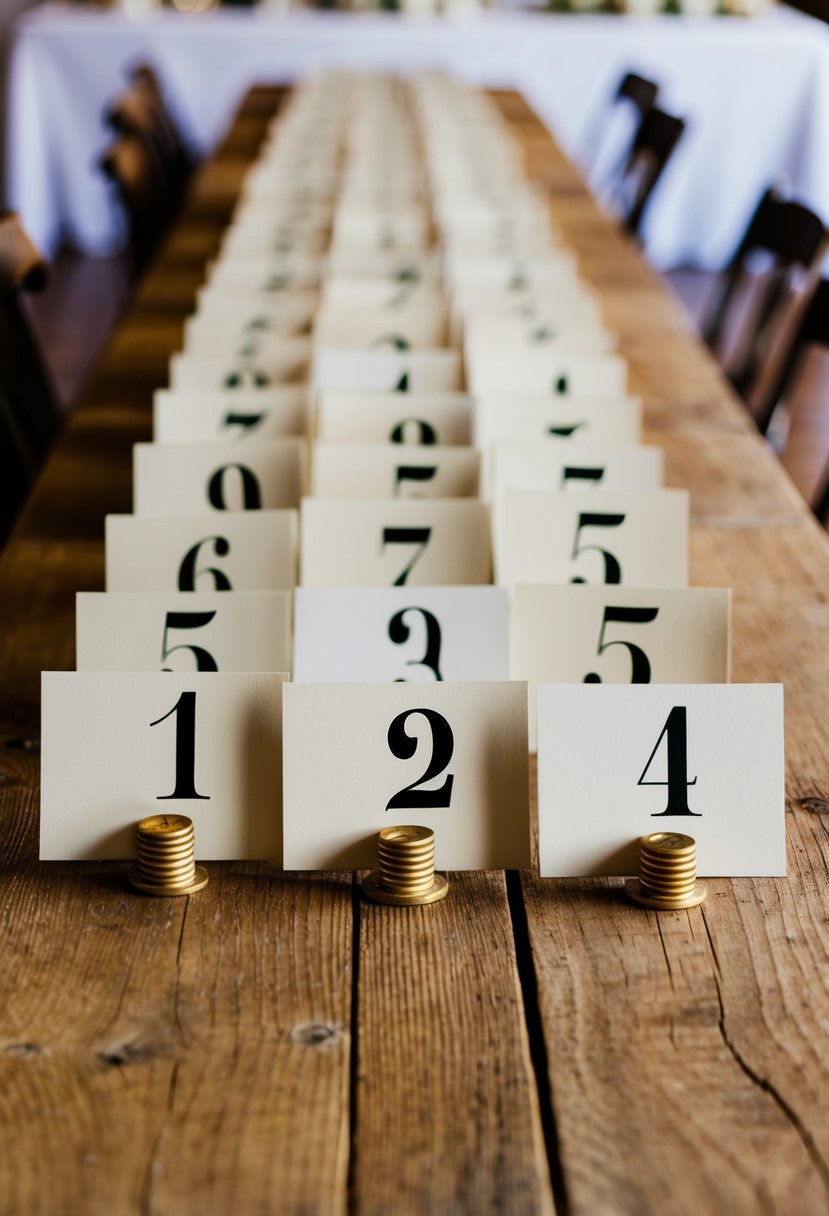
x=142 y=112
x=29 y=416
x=145 y=193
x=653 y=144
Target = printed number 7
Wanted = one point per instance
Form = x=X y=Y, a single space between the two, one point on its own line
x=640 y=672
x=407 y=536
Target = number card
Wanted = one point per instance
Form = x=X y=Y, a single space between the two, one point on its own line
x=362 y=757
x=178 y=631
x=118 y=746
x=610 y=536
x=397 y=633
x=287 y=363
x=388 y=371
x=227 y=327
x=441 y=419
x=221 y=417
x=484 y=334
x=620 y=762
x=554 y=374
x=581 y=419
x=240 y=551
x=619 y=635
x=389 y=470
x=563 y=466
x=186 y=479
x=394 y=542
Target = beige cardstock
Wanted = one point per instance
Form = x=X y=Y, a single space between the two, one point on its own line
x=341 y=772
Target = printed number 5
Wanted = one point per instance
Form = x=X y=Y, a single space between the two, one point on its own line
x=640 y=668
x=188 y=620
x=592 y=519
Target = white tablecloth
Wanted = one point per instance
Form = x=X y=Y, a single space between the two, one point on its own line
x=755 y=93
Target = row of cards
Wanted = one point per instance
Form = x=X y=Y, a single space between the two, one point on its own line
x=307 y=774
x=438 y=418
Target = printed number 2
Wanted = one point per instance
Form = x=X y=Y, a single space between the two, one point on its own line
x=675 y=733
x=403 y=746
x=185 y=712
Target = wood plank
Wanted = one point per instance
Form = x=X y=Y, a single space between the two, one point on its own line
x=447 y=1112
x=174 y=1055
x=155 y=1055
x=687 y=1052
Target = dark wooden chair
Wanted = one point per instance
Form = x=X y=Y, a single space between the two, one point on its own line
x=813 y=330
x=148 y=199
x=141 y=111
x=653 y=144
x=29 y=416
x=611 y=133
x=752 y=326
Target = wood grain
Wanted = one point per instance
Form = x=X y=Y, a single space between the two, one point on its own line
x=687 y=1052
x=447 y=1112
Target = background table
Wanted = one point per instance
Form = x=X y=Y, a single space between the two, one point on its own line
x=274 y=1044
x=756 y=94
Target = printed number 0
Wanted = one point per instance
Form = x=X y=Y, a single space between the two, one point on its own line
x=403 y=746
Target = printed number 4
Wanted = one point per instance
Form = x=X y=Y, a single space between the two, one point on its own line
x=675 y=733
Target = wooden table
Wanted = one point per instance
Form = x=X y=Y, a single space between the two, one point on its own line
x=274 y=1044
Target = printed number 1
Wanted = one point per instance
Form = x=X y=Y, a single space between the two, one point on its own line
x=676 y=744
x=185 y=711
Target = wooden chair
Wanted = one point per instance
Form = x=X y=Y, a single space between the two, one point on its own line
x=813 y=330
x=762 y=331
x=29 y=417
x=142 y=112
x=147 y=196
x=613 y=130
x=653 y=145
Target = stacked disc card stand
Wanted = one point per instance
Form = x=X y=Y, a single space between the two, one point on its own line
x=396 y=500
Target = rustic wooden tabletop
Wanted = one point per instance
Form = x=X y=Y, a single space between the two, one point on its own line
x=274 y=1044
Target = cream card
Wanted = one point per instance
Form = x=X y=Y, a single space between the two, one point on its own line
x=120 y=746
x=180 y=416
x=639 y=538
x=385 y=371
x=571 y=467
x=394 y=543
x=483 y=334
x=362 y=757
x=235 y=551
x=183 y=631
x=392 y=470
x=619 y=635
x=443 y=419
x=511 y=274
x=389 y=265
x=620 y=762
x=264 y=277
x=188 y=479
x=557 y=374
x=273 y=240
x=396 y=633
x=581 y=419
x=410 y=330
x=218 y=328
x=373 y=296
x=289 y=362
x=286 y=313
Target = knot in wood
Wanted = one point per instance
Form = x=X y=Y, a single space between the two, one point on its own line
x=23 y=1051
x=127 y=1053
x=316 y=1034
x=818 y=806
